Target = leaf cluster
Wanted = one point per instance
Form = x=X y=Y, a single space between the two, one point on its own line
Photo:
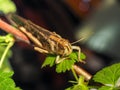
x=6 y=81
x=7 y=6
x=65 y=64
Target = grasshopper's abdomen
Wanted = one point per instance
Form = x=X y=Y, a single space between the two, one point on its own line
x=51 y=41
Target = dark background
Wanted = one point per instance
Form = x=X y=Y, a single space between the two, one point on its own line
x=67 y=17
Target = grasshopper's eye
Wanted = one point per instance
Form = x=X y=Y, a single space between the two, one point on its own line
x=61 y=46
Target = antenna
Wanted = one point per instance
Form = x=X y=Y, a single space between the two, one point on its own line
x=78 y=41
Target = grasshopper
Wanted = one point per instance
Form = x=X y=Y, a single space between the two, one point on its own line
x=43 y=40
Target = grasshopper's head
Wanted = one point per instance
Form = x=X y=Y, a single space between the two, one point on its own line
x=64 y=47
x=60 y=46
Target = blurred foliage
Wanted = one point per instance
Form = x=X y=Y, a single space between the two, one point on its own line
x=6 y=82
x=79 y=85
x=7 y=6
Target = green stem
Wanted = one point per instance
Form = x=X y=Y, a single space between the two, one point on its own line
x=5 y=53
x=74 y=74
x=81 y=80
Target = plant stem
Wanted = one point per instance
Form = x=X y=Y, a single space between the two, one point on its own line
x=5 y=53
x=74 y=73
x=81 y=80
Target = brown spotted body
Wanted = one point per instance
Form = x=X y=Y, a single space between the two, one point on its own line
x=43 y=40
x=50 y=41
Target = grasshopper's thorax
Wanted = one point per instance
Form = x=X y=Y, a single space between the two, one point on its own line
x=61 y=46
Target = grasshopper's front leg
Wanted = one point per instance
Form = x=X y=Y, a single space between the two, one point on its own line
x=58 y=59
x=79 y=52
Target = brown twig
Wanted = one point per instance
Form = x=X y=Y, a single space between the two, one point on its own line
x=81 y=71
x=10 y=29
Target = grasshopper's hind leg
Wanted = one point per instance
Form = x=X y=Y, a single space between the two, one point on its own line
x=40 y=50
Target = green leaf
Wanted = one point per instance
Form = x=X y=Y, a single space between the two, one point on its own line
x=7 y=6
x=74 y=55
x=109 y=76
x=67 y=63
x=82 y=56
x=106 y=88
x=50 y=60
x=5 y=40
x=6 y=82
x=76 y=87
x=64 y=65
